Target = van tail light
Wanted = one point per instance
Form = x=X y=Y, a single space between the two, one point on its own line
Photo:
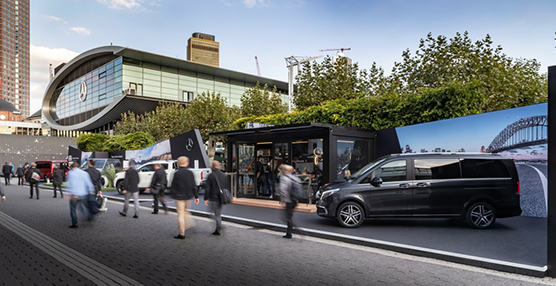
x=202 y=175
x=518 y=188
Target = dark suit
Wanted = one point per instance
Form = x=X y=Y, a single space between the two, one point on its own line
x=95 y=178
x=262 y=181
x=57 y=180
x=216 y=180
x=7 y=171
x=159 y=181
x=20 y=174
x=130 y=186
x=33 y=183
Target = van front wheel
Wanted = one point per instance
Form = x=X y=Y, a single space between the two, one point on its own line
x=350 y=214
x=481 y=215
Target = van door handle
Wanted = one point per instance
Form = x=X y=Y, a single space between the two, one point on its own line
x=405 y=185
x=423 y=185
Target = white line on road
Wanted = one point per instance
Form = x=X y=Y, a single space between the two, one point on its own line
x=544 y=182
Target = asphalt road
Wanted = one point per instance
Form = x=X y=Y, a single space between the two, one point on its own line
x=38 y=248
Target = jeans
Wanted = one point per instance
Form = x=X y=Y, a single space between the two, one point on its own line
x=135 y=201
x=216 y=207
x=59 y=188
x=36 y=185
x=160 y=197
x=74 y=201
x=289 y=217
x=20 y=180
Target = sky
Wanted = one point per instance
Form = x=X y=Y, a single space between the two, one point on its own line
x=375 y=30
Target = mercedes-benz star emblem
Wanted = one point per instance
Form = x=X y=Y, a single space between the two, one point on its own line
x=83 y=91
x=189 y=144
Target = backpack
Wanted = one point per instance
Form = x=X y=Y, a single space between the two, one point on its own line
x=296 y=192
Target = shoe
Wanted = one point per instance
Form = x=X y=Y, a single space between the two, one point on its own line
x=103 y=209
x=122 y=214
x=135 y=216
x=287 y=236
x=216 y=232
x=37 y=198
x=73 y=226
x=3 y=199
x=31 y=197
x=54 y=196
x=154 y=213
x=179 y=236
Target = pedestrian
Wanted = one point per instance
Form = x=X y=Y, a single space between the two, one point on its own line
x=33 y=182
x=20 y=172
x=215 y=181
x=12 y=170
x=26 y=176
x=79 y=187
x=95 y=176
x=158 y=187
x=183 y=190
x=57 y=180
x=287 y=181
x=6 y=171
x=2 y=194
x=260 y=175
x=130 y=189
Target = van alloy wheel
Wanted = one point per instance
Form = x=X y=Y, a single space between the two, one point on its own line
x=481 y=215
x=350 y=214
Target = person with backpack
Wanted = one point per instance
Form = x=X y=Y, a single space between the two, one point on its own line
x=290 y=193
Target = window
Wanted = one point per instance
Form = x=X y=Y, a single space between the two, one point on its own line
x=481 y=168
x=427 y=169
x=392 y=171
x=147 y=168
x=187 y=96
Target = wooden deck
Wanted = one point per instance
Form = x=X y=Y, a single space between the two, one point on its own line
x=302 y=207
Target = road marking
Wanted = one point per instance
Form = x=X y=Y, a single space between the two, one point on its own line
x=544 y=182
x=96 y=272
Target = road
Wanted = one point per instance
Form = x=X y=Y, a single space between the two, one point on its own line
x=39 y=248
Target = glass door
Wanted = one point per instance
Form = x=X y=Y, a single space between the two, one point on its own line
x=281 y=155
x=246 y=170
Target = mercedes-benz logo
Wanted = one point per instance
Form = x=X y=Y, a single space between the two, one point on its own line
x=189 y=144
x=83 y=91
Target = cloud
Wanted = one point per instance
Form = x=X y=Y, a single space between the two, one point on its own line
x=56 y=19
x=41 y=57
x=81 y=30
x=120 y=4
x=227 y=3
x=253 y=3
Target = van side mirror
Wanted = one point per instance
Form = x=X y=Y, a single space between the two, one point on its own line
x=376 y=181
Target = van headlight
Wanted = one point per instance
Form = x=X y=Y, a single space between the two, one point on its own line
x=328 y=193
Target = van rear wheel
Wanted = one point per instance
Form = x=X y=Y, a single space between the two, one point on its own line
x=120 y=186
x=350 y=214
x=481 y=215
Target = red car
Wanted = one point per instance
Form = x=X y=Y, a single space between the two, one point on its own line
x=47 y=168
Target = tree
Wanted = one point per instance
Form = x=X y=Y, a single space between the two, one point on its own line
x=91 y=142
x=257 y=102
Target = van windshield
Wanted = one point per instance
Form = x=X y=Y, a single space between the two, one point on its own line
x=365 y=169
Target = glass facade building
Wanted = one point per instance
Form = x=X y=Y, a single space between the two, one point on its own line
x=91 y=91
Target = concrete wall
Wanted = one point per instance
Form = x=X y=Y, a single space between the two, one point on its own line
x=19 y=149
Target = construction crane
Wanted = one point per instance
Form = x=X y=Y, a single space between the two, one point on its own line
x=341 y=50
x=291 y=62
x=258 y=68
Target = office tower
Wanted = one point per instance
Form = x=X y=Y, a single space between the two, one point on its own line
x=201 y=48
x=14 y=54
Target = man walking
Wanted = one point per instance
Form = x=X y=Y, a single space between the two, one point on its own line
x=95 y=179
x=6 y=171
x=260 y=174
x=157 y=187
x=287 y=181
x=215 y=181
x=20 y=172
x=57 y=180
x=79 y=187
x=130 y=189
x=33 y=182
x=183 y=190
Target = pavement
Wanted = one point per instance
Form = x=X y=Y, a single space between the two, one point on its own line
x=38 y=248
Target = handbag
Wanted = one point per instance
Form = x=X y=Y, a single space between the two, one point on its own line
x=35 y=177
x=225 y=194
x=156 y=189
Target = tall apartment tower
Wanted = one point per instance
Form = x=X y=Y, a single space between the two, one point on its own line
x=14 y=54
x=201 y=48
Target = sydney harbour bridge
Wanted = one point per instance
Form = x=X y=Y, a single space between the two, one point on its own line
x=522 y=133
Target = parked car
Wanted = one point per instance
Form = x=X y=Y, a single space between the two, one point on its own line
x=476 y=187
x=47 y=168
x=146 y=172
x=104 y=164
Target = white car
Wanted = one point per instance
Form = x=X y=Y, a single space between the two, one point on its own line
x=146 y=172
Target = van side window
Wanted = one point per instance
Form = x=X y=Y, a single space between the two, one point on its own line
x=392 y=171
x=484 y=168
x=147 y=168
x=427 y=169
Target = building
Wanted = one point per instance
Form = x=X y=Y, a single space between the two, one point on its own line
x=14 y=54
x=92 y=91
x=10 y=122
x=203 y=49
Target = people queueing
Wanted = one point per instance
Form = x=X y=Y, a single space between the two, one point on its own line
x=57 y=180
x=158 y=187
x=287 y=181
x=20 y=172
x=7 y=172
x=183 y=190
x=95 y=176
x=215 y=181
x=131 y=189
x=33 y=182
x=79 y=187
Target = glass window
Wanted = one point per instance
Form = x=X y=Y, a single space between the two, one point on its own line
x=427 y=169
x=392 y=171
x=481 y=168
x=187 y=96
x=146 y=168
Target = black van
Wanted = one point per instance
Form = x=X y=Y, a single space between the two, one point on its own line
x=476 y=187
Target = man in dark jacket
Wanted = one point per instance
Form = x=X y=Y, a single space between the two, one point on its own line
x=260 y=175
x=157 y=187
x=20 y=172
x=94 y=174
x=183 y=190
x=32 y=181
x=57 y=180
x=216 y=180
x=130 y=189
x=7 y=171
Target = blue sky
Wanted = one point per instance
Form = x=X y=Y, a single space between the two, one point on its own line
x=376 y=31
